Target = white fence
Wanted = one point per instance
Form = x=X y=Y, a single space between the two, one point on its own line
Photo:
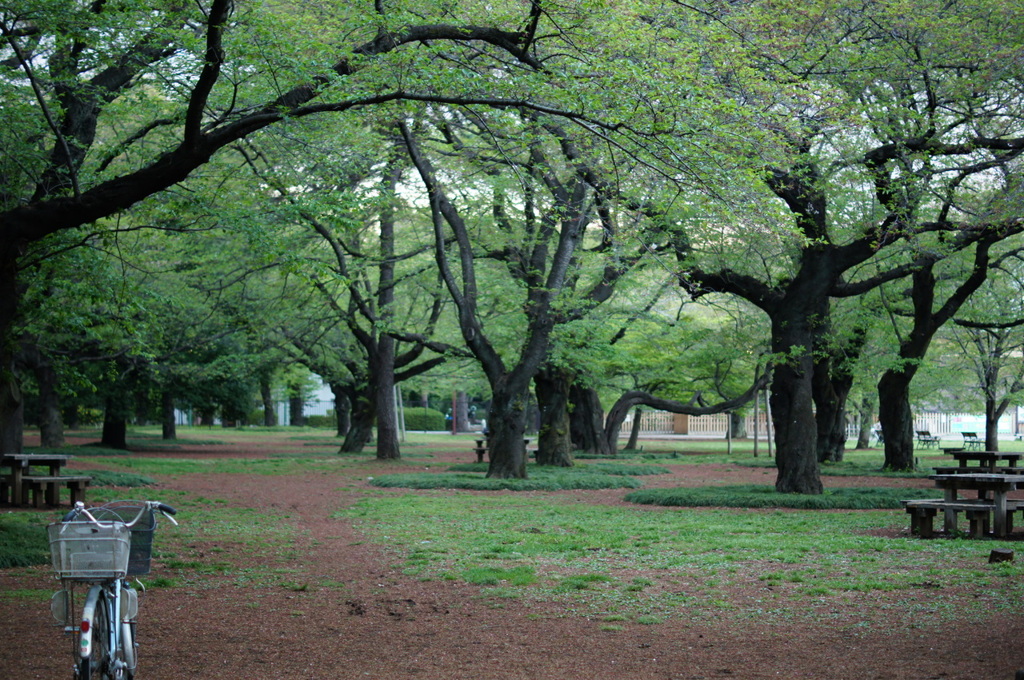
x=660 y=422
x=716 y=425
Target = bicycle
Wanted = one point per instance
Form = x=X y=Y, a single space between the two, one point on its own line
x=99 y=548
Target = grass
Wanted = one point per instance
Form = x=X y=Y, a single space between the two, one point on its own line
x=118 y=478
x=757 y=496
x=23 y=540
x=620 y=565
x=600 y=559
x=541 y=478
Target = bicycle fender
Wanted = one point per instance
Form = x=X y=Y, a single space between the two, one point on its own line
x=85 y=628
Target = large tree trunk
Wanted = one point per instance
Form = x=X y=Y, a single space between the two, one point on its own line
x=993 y=412
x=296 y=405
x=51 y=424
x=796 y=432
x=360 y=430
x=461 y=414
x=586 y=421
x=894 y=387
x=554 y=443
x=737 y=425
x=115 y=423
x=267 y=397
x=342 y=408
x=12 y=409
x=11 y=406
x=507 y=425
x=896 y=419
x=382 y=356
x=169 y=426
x=792 y=394
x=866 y=414
x=830 y=393
x=833 y=380
x=387 y=422
x=634 y=431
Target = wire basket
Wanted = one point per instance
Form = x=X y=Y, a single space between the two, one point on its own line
x=141 y=549
x=85 y=551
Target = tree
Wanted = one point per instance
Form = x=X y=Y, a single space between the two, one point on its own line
x=554 y=205
x=125 y=102
x=889 y=146
x=993 y=349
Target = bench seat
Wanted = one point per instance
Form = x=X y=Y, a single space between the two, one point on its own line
x=46 y=488
x=923 y=511
x=974 y=470
x=977 y=510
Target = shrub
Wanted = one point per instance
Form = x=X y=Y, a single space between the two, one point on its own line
x=22 y=541
x=117 y=478
x=421 y=418
x=328 y=421
x=755 y=496
x=541 y=479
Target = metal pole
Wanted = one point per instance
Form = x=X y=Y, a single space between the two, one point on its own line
x=757 y=419
x=399 y=414
x=728 y=432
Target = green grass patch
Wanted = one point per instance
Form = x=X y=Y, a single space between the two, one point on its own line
x=598 y=560
x=275 y=465
x=540 y=479
x=582 y=581
x=757 y=496
x=115 y=478
x=23 y=541
x=495 y=576
x=604 y=468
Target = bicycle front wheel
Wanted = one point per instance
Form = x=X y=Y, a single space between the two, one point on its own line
x=94 y=666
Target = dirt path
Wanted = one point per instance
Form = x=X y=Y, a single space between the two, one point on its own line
x=375 y=622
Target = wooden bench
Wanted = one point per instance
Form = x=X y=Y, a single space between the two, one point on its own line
x=480 y=450
x=46 y=488
x=954 y=470
x=927 y=439
x=922 y=514
x=971 y=441
x=482 y=445
x=923 y=511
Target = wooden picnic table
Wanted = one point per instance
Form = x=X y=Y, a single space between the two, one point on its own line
x=984 y=484
x=483 y=446
x=987 y=460
x=20 y=480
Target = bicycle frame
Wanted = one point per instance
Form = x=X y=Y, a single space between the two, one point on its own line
x=105 y=631
x=119 y=637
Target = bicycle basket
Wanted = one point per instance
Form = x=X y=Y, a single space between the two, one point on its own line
x=141 y=549
x=87 y=551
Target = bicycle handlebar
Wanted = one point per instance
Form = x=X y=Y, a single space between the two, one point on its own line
x=164 y=509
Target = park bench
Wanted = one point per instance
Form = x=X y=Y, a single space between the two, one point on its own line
x=927 y=439
x=40 y=489
x=480 y=450
x=482 y=445
x=922 y=515
x=963 y=470
x=971 y=441
x=977 y=511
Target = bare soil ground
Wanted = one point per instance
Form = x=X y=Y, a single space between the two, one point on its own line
x=384 y=625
